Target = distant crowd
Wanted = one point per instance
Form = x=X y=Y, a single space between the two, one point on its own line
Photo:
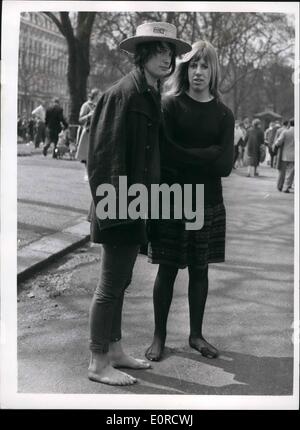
x=31 y=129
x=253 y=146
x=49 y=127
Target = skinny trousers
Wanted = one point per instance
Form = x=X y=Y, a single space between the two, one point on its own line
x=107 y=304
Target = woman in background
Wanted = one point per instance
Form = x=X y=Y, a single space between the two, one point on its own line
x=85 y=115
x=253 y=139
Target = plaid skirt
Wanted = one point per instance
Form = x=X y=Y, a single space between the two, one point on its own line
x=170 y=243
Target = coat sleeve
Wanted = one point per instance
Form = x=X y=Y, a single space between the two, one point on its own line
x=280 y=140
x=222 y=166
x=177 y=153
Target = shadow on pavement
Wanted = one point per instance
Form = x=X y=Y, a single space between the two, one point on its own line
x=251 y=376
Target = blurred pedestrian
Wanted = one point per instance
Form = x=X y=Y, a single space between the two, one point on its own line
x=31 y=128
x=39 y=113
x=278 y=156
x=199 y=149
x=40 y=136
x=85 y=115
x=253 y=139
x=245 y=124
x=286 y=163
x=19 y=126
x=24 y=128
x=238 y=144
x=53 y=121
x=284 y=126
x=269 y=138
x=125 y=140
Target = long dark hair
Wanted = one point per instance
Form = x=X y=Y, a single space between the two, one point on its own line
x=144 y=51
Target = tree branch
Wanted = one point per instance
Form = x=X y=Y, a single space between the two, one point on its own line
x=66 y=23
x=56 y=22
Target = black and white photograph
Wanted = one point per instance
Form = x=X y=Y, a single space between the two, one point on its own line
x=150 y=206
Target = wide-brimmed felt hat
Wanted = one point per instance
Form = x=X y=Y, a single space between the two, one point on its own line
x=155 y=31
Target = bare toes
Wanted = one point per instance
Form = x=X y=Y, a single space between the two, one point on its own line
x=153 y=354
x=142 y=364
x=130 y=363
x=112 y=377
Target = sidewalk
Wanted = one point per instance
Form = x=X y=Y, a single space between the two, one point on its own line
x=24 y=149
x=53 y=202
x=248 y=317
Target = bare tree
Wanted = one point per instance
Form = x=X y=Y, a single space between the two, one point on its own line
x=246 y=43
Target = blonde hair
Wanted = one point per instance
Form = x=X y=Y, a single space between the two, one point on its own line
x=179 y=82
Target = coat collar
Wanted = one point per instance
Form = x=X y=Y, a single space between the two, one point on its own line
x=139 y=80
x=144 y=88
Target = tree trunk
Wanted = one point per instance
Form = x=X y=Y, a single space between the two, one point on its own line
x=78 y=41
x=78 y=73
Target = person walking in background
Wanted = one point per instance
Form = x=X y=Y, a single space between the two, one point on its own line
x=39 y=113
x=19 y=127
x=198 y=149
x=24 y=128
x=53 y=120
x=125 y=140
x=253 y=139
x=31 y=128
x=286 y=143
x=279 y=130
x=40 y=135
x=269 y=138
x=238 y=143
x=85 y=115
x=278 y=152
x=245 y=124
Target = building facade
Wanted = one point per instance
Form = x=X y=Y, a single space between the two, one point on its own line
x=43 y=59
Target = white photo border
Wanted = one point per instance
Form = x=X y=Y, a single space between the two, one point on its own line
x=10 y=398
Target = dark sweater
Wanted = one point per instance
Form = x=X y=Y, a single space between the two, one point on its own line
x=199 y=144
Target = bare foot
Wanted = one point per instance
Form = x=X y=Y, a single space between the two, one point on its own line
x=118 y=358
x=155 y=350
x=100 y=370
x=205 y=348
x=111 y=376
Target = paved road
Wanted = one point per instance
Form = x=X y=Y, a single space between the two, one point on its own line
x=249 y=310
x=52 y=195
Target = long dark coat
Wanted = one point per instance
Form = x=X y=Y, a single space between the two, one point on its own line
x=124 y=141
x=254 y=138
x=54 y=117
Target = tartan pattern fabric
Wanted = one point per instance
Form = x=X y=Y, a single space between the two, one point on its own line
x=170 y=243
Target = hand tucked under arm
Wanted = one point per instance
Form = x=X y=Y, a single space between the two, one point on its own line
x=191 y=156
x=222 y=166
